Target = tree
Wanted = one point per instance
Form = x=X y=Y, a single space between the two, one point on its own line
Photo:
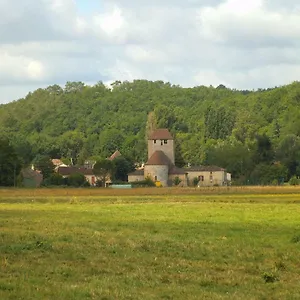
x=288 y=153
x=264 y=152
x=122 y=167
x=74 y=87
x=151 y=124
x=268 y=174
x=71 y=143
x=77 y=180
x=103 y=170
x=54 y=89
x=44 y=164
x=56 y=179
x=10 y=165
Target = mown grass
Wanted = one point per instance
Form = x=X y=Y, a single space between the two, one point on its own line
x=168 y=246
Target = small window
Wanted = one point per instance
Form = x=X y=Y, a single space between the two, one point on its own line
x=154 y=141
x=201 y=178
x=155 y=178
x=161 y=142
x=165 y=141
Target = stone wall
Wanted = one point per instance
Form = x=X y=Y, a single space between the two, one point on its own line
x=209 y=178
x=167 y=148
x=134 y=178
x=157 y=173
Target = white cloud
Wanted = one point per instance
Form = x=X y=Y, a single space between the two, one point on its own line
x=242 y=44
x=110 y=22
x=238 y=23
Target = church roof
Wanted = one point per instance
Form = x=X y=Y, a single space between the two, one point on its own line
x=158 y=158
x=161 y=134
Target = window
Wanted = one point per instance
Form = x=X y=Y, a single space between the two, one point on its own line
x=201 y=178
x=165 y=141
x=154 y=141
x=161 y=142
x=155 y=178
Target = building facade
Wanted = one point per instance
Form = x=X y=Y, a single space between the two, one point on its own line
x=161 y=168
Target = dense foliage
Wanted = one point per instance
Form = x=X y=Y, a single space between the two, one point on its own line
x=254 y=134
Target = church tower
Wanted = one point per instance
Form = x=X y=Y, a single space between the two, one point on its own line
x=161 y=140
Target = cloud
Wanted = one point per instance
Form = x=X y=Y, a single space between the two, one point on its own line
x=242 y=44
x=249 y=23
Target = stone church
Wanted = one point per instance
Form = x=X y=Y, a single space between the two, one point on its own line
x=161 y=168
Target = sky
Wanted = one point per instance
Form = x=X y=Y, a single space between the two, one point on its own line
x=245 y=44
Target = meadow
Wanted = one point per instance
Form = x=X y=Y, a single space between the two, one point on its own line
x=213 y=243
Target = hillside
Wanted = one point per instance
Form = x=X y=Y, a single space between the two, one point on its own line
x=243 y=131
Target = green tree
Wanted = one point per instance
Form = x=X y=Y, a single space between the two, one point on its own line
x=122 y=167
x=288 y=153
x=56 y=179
x=44 y=164
x=104 y=170
x=77 y=180
x=151 y=124
x=71 y=144
x=10 y=165
x=264 y=152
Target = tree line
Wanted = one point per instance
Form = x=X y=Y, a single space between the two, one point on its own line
x=255 y=135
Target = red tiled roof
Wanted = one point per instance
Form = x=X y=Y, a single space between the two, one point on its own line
x=66 y=171
x=158 y=158
x=161 y=134
x=116 y=154
x=204 y=168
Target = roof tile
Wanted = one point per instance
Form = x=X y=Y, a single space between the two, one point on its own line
x=161 y=134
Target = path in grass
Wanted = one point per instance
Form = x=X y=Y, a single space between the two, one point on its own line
x=205 y=247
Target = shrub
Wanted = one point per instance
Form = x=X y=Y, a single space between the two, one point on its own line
x=270 y=277
x=195 y=181
x=294 y=181
x=176 y=181
x=144 y=183
x=296 y=239
x=77 y=180
x=56 y=179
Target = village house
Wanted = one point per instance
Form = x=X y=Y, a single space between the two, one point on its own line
x=31 y=178
x=86 y=170
x=161 y=168
x=65 y=172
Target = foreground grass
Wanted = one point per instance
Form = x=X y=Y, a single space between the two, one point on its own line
x=119 y=247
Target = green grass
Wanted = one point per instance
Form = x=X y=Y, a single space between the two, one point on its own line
x=150 y=247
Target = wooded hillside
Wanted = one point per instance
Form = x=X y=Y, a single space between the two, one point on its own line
x=254 y=134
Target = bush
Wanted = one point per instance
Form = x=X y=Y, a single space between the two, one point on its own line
x=270 y=277
x=56 y=179
x=296 y=239
x=176 y=181
x=144 y=183
x=195 y=181
x=77 y=180
x=294 y=181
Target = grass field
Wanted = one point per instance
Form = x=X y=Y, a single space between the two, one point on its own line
x=226 y=243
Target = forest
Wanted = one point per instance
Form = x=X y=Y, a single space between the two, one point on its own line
x=255 y=135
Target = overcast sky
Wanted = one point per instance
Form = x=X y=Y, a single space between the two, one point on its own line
x=244 y=44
